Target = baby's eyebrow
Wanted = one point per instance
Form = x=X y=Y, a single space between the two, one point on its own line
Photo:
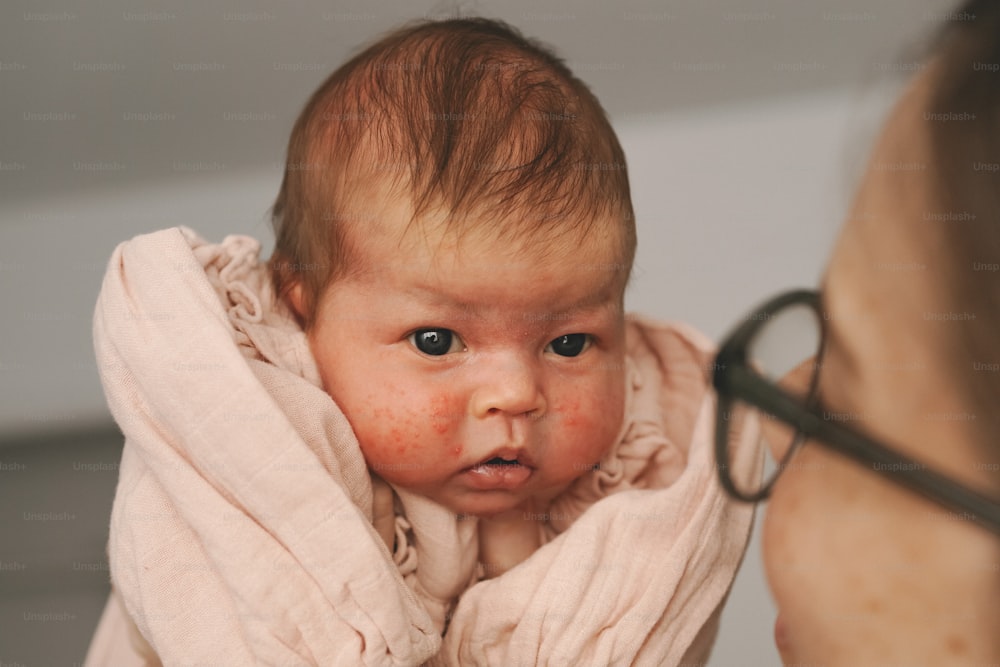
x=438 y=299
x=592 y=302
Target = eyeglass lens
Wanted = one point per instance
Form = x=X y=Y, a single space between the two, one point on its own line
x=785 y=351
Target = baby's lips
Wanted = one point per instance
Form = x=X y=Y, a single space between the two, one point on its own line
x=498 y=477
x=508 y=453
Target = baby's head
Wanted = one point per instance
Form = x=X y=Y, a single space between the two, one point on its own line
x=455 y=232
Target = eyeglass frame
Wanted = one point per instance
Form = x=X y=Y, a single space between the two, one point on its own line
x=734 y=380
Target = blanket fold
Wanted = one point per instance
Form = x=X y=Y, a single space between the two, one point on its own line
x=242 y=529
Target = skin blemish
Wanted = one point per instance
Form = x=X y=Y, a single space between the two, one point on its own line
x=457 y=450
x=440 y=408
x=443 y=414
x=398 y=441
x=956 y=645
x=873 y=606
x=570 y=411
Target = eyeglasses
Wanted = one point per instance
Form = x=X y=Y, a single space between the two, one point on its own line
x=760 y=376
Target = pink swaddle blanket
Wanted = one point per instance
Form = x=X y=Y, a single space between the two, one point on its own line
x=242 y=531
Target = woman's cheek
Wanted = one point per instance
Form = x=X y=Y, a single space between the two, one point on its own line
x=795 y=558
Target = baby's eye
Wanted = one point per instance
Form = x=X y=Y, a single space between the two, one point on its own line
x=436 y=342
x=570 y=345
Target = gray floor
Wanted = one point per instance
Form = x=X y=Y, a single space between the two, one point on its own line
x=55 y=500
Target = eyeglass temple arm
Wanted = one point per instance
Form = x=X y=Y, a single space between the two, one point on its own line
x=761 y=393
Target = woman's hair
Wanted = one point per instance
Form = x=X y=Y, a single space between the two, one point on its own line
x=962 y=118
x=464 y=116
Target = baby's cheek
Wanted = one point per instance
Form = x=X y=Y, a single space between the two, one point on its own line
x=590 y=424
x=443 y=412
x=407 y=441
x=569 y=412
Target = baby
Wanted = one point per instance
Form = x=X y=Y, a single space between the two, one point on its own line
x=454 y=238
x=455 y=233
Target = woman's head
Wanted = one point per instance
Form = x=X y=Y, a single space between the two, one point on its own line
x=863 y=570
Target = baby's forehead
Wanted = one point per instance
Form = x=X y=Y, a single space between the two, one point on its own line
x=521 y=238
x=481 y=273
x=500 y=288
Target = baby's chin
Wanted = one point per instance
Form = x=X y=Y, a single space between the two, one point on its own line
x=483 y=505
x=533 y=497
x=490 y=504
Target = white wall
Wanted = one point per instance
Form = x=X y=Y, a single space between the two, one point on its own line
x=736 y=203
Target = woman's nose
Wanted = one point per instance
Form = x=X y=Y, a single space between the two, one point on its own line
x=511 y=386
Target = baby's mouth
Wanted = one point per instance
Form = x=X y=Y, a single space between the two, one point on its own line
x=507 y=457
x=498 y=465
x=504 y=470
x=500 y=461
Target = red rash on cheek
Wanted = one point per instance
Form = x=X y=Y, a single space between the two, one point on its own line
x=398 y=440
x=570 y=412
x=588 y=423
x=443 y=412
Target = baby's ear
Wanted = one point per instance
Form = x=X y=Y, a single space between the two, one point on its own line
x=295 y=300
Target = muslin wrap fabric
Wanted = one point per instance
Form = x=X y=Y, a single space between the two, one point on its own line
x=242 y=533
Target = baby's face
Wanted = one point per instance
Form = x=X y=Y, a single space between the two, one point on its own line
x=476 y=375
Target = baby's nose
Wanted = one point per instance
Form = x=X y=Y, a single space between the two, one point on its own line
x=510 y=386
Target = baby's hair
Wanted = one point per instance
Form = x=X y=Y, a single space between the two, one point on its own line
x=464 y=116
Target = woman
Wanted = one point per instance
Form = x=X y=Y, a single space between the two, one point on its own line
x=882 y=538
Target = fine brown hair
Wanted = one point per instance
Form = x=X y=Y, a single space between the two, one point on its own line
x=465 y=116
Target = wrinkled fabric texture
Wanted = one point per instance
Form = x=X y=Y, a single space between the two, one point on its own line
x=241 y=532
